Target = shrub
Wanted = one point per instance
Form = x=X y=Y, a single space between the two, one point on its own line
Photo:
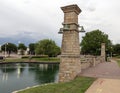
x=36 y=56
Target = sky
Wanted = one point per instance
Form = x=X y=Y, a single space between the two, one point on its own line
x=28 y=21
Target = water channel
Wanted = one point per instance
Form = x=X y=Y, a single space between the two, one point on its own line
x=21 y=75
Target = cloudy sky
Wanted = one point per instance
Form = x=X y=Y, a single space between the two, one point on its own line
x=28 y=21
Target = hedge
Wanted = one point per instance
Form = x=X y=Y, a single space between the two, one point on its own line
x=35 y=56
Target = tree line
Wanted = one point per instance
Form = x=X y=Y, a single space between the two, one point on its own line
x=91 y=44
x=42 y=47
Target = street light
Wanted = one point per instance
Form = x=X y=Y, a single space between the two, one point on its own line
x=67 y=27
x=81 y=29
x=111 y=52
x=6 y=48
x=17 y=47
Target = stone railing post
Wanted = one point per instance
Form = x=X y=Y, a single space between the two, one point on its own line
x=103 y=54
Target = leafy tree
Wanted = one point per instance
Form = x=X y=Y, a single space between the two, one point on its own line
x=91 y=43
x=116 y=49
x=47 y=47
x=22 y=46
x=10 y=47
x=32 y=48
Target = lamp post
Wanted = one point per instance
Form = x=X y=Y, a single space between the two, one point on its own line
x=81 y=30
x=111 y=52
x=18 y=47
x=6 y=49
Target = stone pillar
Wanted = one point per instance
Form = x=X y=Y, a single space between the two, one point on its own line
x=70 y=64
x=103 y=54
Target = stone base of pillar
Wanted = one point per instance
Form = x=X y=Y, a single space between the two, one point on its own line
x=70 y=66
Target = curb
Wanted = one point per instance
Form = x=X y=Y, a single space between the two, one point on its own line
x=33 y=87
x=30 y=62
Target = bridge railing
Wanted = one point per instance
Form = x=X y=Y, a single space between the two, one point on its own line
x=89 y=60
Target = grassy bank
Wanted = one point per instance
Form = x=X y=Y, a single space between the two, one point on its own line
x=32 y=60
x=79 y=85
x=118 y=61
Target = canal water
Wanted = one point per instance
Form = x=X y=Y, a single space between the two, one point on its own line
x=21 y=75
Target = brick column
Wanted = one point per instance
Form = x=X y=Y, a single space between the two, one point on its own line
x=70 y=64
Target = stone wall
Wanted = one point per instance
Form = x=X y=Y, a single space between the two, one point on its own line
x=70 y=66
x=89 y=61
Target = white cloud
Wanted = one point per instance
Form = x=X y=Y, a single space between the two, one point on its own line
x=42 y=18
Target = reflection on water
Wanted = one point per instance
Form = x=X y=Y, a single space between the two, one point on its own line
x=21 y=75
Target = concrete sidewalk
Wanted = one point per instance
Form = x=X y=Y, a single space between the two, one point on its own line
x=102 y=85
x=108 y=74
x=103 y=70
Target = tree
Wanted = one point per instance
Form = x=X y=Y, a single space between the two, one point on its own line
x=47 y=47
x=22 y=46
x=116 y=49
x=32 y=48
x=91 y=43
x=10 y=47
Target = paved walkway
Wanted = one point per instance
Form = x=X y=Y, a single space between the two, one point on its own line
x=103 y=70
x=108 y=75
x=105 y=86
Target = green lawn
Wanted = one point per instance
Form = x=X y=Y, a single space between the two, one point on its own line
x=52 y=59
x=15 y=60
x=118 y=62
x=79 y=85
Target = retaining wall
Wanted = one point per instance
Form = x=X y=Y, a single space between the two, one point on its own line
x=89 y=61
